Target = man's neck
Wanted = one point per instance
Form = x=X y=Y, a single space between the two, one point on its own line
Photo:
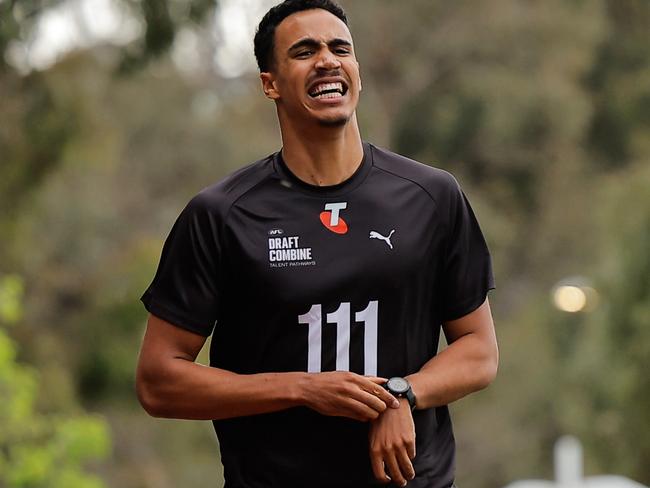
x=324 y=156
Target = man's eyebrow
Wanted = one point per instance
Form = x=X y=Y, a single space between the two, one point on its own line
x=311 y=42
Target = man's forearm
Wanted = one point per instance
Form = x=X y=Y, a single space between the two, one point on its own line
x=186 y=390
x=466 y=366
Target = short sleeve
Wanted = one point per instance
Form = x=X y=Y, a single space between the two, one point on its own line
x=185 y=289
x=467 y=266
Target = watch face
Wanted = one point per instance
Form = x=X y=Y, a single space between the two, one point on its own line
x=398 y=385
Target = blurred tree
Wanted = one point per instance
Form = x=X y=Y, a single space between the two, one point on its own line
x=31 y=146
x=607 y=401
x=161 y=20
x=620 y=83
x=17 y=20
x=124 y=175
x=39 y=450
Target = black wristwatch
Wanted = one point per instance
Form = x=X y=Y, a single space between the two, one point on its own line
x=401 y=388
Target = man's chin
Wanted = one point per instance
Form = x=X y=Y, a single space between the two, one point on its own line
x=339 y=121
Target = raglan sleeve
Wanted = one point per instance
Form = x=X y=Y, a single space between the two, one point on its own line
x=185 y=290
x=467 y=275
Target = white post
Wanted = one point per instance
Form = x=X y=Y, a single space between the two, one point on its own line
x=569 y=471
x=568 y=462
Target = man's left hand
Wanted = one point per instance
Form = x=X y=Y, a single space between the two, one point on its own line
x=392 y=445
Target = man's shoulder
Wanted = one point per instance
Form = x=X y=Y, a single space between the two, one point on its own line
x=434 y=181
x=221 y=195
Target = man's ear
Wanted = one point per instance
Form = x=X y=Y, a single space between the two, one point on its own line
x=269 y=85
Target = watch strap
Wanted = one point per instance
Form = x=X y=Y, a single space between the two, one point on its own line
x=410 y=396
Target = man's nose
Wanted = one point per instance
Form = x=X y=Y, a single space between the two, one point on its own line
x=327 y=60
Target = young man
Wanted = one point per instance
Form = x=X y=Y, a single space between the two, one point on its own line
x=322 y=271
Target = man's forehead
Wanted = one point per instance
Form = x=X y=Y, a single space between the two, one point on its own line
x=317 y=24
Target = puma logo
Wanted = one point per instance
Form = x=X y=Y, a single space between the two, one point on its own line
x=377 y=235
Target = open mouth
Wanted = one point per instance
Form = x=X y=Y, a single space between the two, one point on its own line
x=328 y=90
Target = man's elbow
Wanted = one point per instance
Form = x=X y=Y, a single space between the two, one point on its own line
x=151 y=398
x=488 y=369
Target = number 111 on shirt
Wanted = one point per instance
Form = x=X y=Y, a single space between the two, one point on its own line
x=342 y=318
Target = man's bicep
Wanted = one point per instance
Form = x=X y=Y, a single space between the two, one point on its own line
x=163 y=341
x=164 y=349
x=478 y=322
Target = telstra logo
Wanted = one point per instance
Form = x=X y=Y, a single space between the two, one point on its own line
x=331 y=218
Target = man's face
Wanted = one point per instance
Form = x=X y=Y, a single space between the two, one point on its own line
x=315 y=75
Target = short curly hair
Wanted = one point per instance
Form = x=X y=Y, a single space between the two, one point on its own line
x=265 y=34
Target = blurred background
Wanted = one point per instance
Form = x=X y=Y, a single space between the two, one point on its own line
x=114 y=113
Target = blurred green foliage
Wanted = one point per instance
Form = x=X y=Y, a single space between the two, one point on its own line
x=539 y=108
x=40 y=450
x=609 y=368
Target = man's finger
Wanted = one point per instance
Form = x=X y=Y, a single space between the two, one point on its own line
x=394 y=469
x=372 y=400
x=410 y=450
x=378 y=468
x=376 y=388
x=387 y=397
x=405 y=464
x=360 y=411
x=377 y=379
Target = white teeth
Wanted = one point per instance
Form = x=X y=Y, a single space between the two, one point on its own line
x=327 y=87
x=329 y=95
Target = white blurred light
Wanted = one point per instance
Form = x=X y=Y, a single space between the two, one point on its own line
x=105 y=20
x=574 y=295
x=236 y=21
x=185 y=51
x=569 y=298
x=56 y=34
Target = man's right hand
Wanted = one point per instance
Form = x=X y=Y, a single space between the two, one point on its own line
x=344 y=394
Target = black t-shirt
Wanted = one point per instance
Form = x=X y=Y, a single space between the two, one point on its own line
x=357 y=276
